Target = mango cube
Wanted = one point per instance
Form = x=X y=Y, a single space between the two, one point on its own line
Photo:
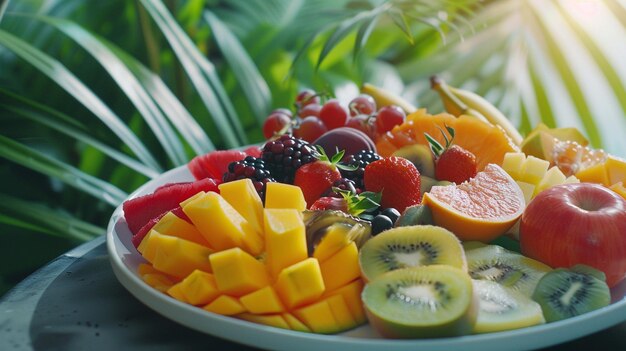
x=171 y=224
x=513 y=163
x=594 y=174
x=279 y=195
x=221 y=225
x=242 y=195
x=341 y=268
x=237 y=273
x=199 y=288
x=301 y=283
x=341 y=312
x=616 y=169
x=318 y=317
x=533 y=170
x=177 y=257
x=285 y=239
x=295 y=324
x=176 y=292
x=263 y=301
x=276 y=320
x=619 y=188
x=352 y=296
x=146 y=268
x=161 y=282
x=226 y=306
x=553 y=177
x=336 y=238
x=527 y=189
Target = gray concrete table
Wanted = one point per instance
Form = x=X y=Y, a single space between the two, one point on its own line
x=76 y=303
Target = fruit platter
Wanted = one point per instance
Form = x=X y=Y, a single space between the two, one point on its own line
x=378 y=224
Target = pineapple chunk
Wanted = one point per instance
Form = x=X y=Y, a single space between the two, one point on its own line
x=237 y=273
x=553 y=177
x=619 y=188
x=513 y=164
x=279 y=195
x=534 y=170
x=242 y=195
x=616 y=169
x=594 y=174
x=571 y=179
x=527 y=189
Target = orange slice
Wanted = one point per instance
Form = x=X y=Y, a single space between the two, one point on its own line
x=481 y=209
x=487 y=142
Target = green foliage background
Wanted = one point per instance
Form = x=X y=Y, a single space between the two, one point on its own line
x=97 y=97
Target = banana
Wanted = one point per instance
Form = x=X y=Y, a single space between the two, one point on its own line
x=386 y=98
x=458 y=101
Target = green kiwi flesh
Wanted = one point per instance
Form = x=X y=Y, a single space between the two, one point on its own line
x=430 y=301
x=510 y=269
x=421 y=156
x=411 y=246
x=502 y=308
x=565 y=293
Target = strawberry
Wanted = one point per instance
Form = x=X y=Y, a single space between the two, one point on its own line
x=315 y=178
x=330 y=203
x=452 y=162
x=357 y=205
x=397 y=179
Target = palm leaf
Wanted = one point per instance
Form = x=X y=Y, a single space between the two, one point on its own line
x=34 y=216
x=250 y=80
x=3 y=8
x=131 y=86
x=202 y=74
x=71 y=176
x=68 y=81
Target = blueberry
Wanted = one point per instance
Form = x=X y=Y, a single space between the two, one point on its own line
x=392 y=213
x=380 y=224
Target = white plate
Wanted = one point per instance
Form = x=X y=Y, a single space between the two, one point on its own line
x=125 y=259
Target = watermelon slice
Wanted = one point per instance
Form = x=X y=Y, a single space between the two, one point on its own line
x=214 y=164
x=253 y=151
x=139 y=211
x=137 y=238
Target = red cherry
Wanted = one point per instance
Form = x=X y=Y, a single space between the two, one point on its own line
x=306 y=97
x=389 y=117
x=310 y=110
x=362 y=104
x=274 y=123
x=333 y=114
x=310 y=129
x=363 y=123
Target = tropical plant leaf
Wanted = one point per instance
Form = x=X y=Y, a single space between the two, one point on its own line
x=3 y=8
x=71 y=131
x=363 y=35
x=68 y=81
x=401 y=21
x=71 y=176
x=250 y=80
x=46 y=220
x=131 y=86
x=202 y=74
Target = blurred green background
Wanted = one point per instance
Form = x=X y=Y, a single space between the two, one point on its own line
x=97 y=97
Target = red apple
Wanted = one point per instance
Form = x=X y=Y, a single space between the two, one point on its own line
x=583 y=223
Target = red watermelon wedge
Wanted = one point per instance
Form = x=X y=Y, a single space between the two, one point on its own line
x=214 y=164
x=139 y=211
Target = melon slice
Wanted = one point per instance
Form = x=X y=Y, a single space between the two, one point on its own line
x=214 y=164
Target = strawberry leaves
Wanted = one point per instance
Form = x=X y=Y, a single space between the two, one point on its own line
x=436 y=148
x=358 y=204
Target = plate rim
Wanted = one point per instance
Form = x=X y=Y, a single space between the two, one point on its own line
x=263 y=336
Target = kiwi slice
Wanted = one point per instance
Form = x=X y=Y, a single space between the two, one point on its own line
x=510 y=269
x=415 y=215
x=411 y=246
x=503 y=308
x=565 y=293
x=430 y=301
x=421 y=156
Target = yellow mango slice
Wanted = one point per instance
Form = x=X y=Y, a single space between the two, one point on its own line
x=158 y=281
x=341 y=268
x=147 y=248
x=295 y=324
x=300 y=284
x=263 y=301
x=225 y=305
x=351 y=294
x=178 y=257
x=334 y=240
x=318 y=317
x=171 y=224
x=279 y=195
x=285 y=239
x=237 y=273
x=594 y=174
x=199 y=288
x=221 y=225
x=619 y=188
x=616 y=169
x=145 y=268
x=276 y=320
x=242 y=195
x=341 y=312
x=193 y=198
x=176 y=292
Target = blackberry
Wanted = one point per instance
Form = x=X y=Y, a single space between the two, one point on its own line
x=285 y=155
x=253 y=168
x=360 y=160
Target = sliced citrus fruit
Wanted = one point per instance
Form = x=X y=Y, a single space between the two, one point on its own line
x=487 y=142
x=570 y=156
x=482 y=208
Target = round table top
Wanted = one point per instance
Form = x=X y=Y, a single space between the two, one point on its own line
x=76 y=303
